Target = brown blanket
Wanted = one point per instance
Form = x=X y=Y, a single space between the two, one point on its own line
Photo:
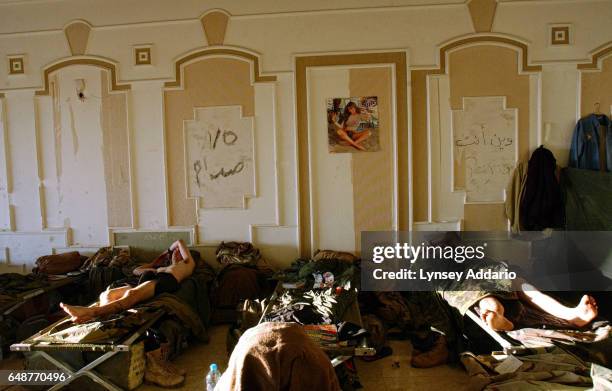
x=278 y=356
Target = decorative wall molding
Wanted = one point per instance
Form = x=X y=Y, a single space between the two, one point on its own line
x=302 y=63
x=596 y=57
x=421 y=114
x=77 y=34
x=143 y=54
x=560 y=34
x=5 y=185
x=93 y=61
x=482 y=13
x=209 y=52
x=214 y=23
x=457 y=44
x=16 y=65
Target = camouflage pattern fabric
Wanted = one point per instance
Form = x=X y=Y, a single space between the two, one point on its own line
x=464 y=300
x=242 y=253
x=331 y=254
x=106 y=330
x=110 y=257
x=15 y=283
x=555 y=370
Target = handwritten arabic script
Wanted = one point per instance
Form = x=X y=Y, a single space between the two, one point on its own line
x=484 y=137
x=219 y=157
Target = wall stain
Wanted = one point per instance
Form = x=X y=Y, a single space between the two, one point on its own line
x=75 y=137
x=57 y=130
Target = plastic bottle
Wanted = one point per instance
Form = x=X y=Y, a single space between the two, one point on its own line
x=213 y=377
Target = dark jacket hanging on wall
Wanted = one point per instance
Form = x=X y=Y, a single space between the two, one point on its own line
x=541 y=204
x=584 y=152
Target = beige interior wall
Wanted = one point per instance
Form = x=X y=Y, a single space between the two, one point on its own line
x=597 y=88
x=489 y=70
x=115 y=149
x=484 y=217
x=482 y=13
x=420 y=176
x=214 y=25
x=302 y=65
x=207 y=82
x=373 y=172
x=77 y=35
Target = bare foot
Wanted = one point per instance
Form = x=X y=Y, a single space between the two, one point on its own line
x=359 y=147
x=585 y=311
x=78 y=314
x=497 y=322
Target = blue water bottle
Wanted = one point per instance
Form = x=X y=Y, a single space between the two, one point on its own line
x=213 y=377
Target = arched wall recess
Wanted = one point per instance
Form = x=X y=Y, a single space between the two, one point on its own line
x=209 y=52
x=303 y=64
x=596 y=82
x=596 y=57
x=84 y=141
x=110 y=66
x=233 y=74
x=425 y=90
x=457 y=44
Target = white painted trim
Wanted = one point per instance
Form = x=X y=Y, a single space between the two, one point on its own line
x=394 y=136
x=4 y=155
x=39 y=165
x=165 y=159
x=578 y=95
x=277 y=171
x=191 y=229
x=429 y=146
x=131 y=157
x=313 y=222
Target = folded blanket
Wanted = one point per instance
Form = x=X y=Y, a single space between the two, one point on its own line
x=185 y=313
x=555 y=370
x=278 y=356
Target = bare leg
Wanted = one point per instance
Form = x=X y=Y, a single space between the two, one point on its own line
x=130 y=298
x=111 y=295
x=492 y=313
x=579 y=316
x=362 y=136
x=344 y=136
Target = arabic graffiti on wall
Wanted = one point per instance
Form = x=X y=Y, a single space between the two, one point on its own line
x=219 y=157
x=484 y=138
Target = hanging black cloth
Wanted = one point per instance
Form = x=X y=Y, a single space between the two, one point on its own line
x=542 y=204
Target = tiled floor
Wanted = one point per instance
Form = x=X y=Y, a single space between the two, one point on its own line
x=377 y=375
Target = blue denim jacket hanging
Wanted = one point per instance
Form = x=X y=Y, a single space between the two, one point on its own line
x=584 y=152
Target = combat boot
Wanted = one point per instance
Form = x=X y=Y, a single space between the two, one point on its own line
x=156 y=373
x=437 y=355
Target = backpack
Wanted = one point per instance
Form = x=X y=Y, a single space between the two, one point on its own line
x=58 y=263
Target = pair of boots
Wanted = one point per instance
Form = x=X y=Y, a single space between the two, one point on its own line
x=437 y=355
x=162 y=372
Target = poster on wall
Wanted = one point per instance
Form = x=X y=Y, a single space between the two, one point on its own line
x=352 y=124
x=485 y=150
x=219 y=157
